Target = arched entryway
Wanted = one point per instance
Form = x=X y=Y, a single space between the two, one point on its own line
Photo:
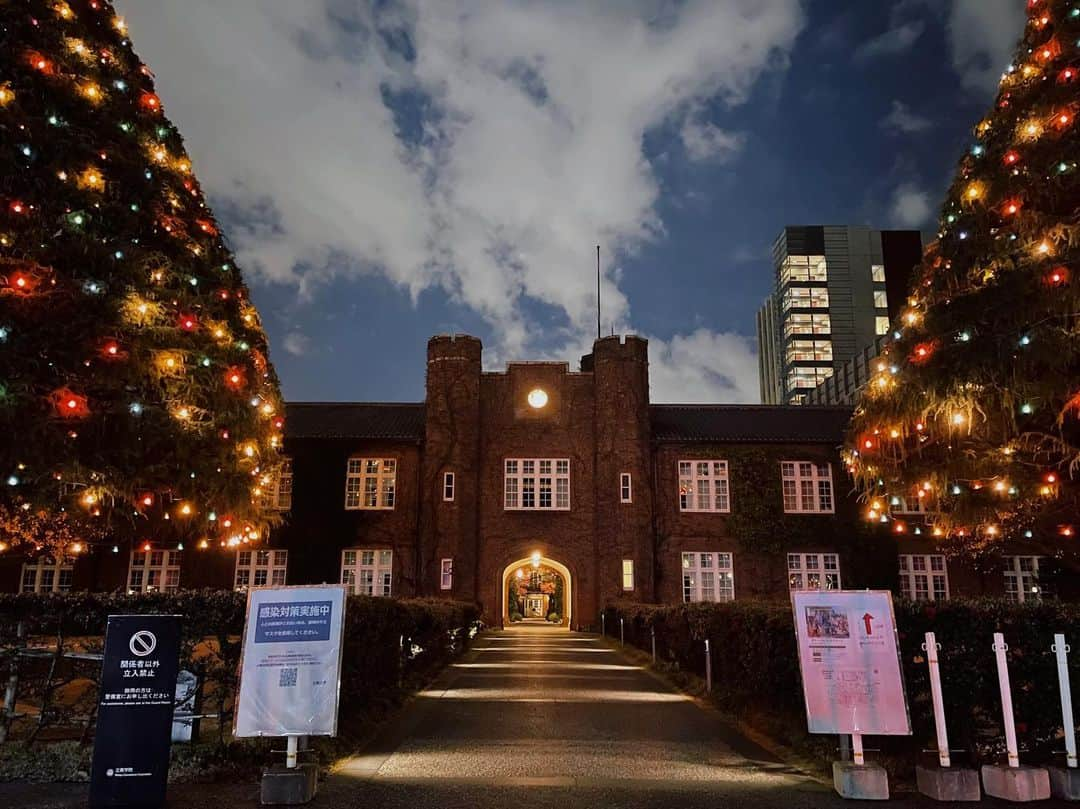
x=537 y=588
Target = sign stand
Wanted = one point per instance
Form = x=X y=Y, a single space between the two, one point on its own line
x=853 y=685
x=1012 y=782
x=944 y=782
x=1065 y=781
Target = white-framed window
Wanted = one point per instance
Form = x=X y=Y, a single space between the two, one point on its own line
x=881 y=299
x=877 y=273
x=45 y=575
x=807 y=487
x=813 y=571
x=881 y=325
x=536 y=484
x=154 y=571
x=448 y=482
x=367 y=572
x=1022 y=578
x=277 y=496
x=626 y=488
x=708 y=577
x=703 y=486
x=446 y=574
x=907 y=505
x=628 y=574
x=923 y=577
x=259 y=568
x=370 y=483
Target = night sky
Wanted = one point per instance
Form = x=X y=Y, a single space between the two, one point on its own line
x=391 y=170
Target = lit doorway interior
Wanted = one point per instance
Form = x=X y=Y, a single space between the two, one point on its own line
x=537 y=590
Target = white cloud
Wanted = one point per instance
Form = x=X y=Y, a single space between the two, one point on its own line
x=703 y=366
x=982 y=37
x=528 y=151
x=910 y=206
x=895 y=40
x=902 y=120
x=704 y=140
x=296 y=343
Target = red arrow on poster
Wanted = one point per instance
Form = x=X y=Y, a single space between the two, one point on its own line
x=867 y=618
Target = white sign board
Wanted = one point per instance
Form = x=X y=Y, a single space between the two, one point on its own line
x=291 y=664
x=850 y=662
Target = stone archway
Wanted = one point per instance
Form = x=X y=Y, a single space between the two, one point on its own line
x=538 y=562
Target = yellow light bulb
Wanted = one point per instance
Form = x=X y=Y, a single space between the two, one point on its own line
x=958 y=418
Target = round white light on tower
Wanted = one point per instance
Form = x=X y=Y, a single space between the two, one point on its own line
x=538 y=398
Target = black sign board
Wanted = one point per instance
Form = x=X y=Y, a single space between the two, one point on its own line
x=135 y=711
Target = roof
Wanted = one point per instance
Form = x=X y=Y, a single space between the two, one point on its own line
x=750 y=423
x=373 y=420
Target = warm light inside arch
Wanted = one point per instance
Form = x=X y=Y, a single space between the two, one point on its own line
x=529 y=561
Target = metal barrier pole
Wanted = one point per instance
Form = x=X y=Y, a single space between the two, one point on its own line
x=603 y=625
x=13 y=682
x=652 y=635
x=931 y=646
x=1061 y=650
x=708 y=667
x=856 y=746
x=290 y=753
x=1000 y=647
x=622 y=635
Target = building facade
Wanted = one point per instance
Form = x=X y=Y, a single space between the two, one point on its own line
x=837 y=289
x=842 y=388
x=548 y=492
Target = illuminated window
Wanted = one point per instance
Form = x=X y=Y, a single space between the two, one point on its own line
x=800 y=377
x=278 y=493
x=813 y=571
x=260 y=568
x=536 y=484
x=807 y=487
x=44 y=575
x=881 y=300
x=877 y=272
x=806 y=323
x=809 y=350
x=923 y=577
x=367 y=572
x=1022 y=578
x=703 y=486
x=446 y=574
x=802 y=268
x=806 y=298
x=154 y=572
x=370 y=483
x=448 y=487
x=628 y=574
x=881 y=325
x=708 y=577
x=907 y=505
x=626 y=492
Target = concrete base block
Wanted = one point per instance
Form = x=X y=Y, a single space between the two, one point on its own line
x=1065 y=783
x=1018 y=784
x=861 y=782
x=284 y=786
x=948 y=783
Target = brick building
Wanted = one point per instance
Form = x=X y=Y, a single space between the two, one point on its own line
x=500 y=483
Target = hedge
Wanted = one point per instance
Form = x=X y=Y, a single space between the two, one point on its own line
x=755 y=668
x=388 y=644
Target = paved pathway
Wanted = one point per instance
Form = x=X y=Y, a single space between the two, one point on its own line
x=536 y=717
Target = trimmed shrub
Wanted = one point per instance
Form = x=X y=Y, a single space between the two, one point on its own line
x=756 y=668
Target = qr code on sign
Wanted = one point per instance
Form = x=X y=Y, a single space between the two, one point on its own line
x=287 y=678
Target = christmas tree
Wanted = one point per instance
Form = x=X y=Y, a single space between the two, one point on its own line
x=136 y=399
x=973 y=408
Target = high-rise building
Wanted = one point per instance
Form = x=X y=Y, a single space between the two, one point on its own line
x=838 y=287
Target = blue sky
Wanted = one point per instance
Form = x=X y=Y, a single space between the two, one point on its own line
x=390 y=170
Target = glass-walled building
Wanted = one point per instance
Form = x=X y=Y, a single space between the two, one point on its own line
x=837 y=289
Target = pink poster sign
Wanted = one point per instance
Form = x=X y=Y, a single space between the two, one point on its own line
x=850 y=662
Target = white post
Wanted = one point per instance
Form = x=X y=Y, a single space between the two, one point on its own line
x=622 y=636
x=856 y=746
x=708 y=667
x=931 y=647
x=1009 y=721
x=603 y=625
x=1061 y=650
x=652 y=635
x=290 y=752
